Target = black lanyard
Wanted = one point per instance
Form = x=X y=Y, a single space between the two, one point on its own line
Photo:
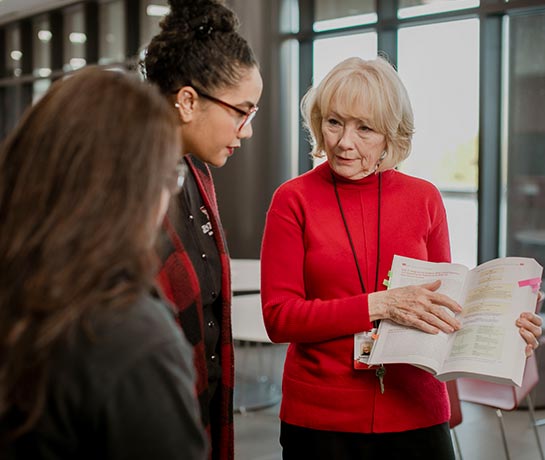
x=350 y=236
x=381 y=370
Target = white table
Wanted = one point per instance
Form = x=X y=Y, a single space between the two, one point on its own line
x=245 y=276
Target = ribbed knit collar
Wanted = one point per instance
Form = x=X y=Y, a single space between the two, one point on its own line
x=370 y=181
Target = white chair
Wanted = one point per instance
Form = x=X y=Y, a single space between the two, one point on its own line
x=245 y=276
x=254 y=389
x=455 y=414
x=503 y=397
x=247 y=319
x=538 y=393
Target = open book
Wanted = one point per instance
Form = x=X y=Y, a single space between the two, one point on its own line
x=488 y=346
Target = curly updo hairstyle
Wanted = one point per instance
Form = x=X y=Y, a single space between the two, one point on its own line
x=198 y=46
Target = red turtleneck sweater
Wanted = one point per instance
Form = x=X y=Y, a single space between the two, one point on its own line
x=312 y=297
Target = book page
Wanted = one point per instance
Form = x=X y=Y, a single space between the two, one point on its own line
x=489 y=342
x=398 y=343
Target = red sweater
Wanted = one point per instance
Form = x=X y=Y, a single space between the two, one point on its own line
x=312 y=297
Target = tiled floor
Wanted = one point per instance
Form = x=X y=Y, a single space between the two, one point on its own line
x=256 y=432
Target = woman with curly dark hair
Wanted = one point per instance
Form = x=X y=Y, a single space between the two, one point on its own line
x=208 y=73
x=92 y=364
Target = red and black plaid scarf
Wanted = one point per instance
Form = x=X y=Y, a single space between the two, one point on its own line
x=180 y=285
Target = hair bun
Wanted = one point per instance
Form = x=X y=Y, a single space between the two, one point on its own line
x=202 y=17
x=201 y=27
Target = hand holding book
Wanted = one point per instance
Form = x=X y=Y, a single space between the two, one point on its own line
x=530 y=329
x=494 y=296
x=420 y=306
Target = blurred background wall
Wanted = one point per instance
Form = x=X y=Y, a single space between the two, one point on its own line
x=475 y=71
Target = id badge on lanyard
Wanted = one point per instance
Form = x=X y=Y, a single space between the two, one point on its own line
x=363 y=344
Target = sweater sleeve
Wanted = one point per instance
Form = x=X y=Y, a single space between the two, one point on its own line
x=152 y=411
x=288 y=314
x=438 y=244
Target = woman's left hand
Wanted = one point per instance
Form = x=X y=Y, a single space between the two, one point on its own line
x=529 y=325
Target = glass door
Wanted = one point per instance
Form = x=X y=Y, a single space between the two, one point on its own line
x=525 y=159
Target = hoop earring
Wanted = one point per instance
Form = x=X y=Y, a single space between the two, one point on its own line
x=377 y=165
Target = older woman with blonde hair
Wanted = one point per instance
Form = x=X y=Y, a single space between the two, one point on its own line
x=329 y=241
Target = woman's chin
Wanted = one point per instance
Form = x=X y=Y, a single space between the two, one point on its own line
x=351 y=173
x=219 y=162
x=216 y=161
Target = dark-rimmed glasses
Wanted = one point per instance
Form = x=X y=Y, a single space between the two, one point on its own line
x=247 y=116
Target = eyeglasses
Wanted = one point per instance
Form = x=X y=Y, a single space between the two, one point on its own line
x=247 y=116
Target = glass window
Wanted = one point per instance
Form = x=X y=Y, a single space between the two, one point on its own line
x=289 y=102
x=14 y=54
x=112 y=32
x=151 y=13
x=39 y=88
x=439 y=65
x=12 y=107
x=526 y=138
x=289 y=16
x=41 y=40
x=334 y=14
x=328 y=52
x=411 y=8
x=74 y=38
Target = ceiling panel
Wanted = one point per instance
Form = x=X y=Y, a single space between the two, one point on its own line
x=15 y=9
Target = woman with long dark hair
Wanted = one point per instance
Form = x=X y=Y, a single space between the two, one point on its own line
x=92 y=364
x=209 y=75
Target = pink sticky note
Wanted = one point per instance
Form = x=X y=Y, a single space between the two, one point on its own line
x=534 y=283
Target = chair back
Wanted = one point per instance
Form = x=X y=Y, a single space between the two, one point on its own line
x=245 y=276
x=505 y=397
x=455 y=405
x=247 y=319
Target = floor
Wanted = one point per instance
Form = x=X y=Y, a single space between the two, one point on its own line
x=257 y=431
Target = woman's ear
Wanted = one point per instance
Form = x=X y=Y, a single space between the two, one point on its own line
x=186 y=99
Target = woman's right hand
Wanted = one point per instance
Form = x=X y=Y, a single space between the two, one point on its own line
x=420 y=306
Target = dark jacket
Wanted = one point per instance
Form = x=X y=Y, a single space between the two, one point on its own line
x=181 y=286
x=121 y=388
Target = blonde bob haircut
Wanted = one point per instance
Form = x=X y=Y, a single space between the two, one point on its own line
x=367 y=90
